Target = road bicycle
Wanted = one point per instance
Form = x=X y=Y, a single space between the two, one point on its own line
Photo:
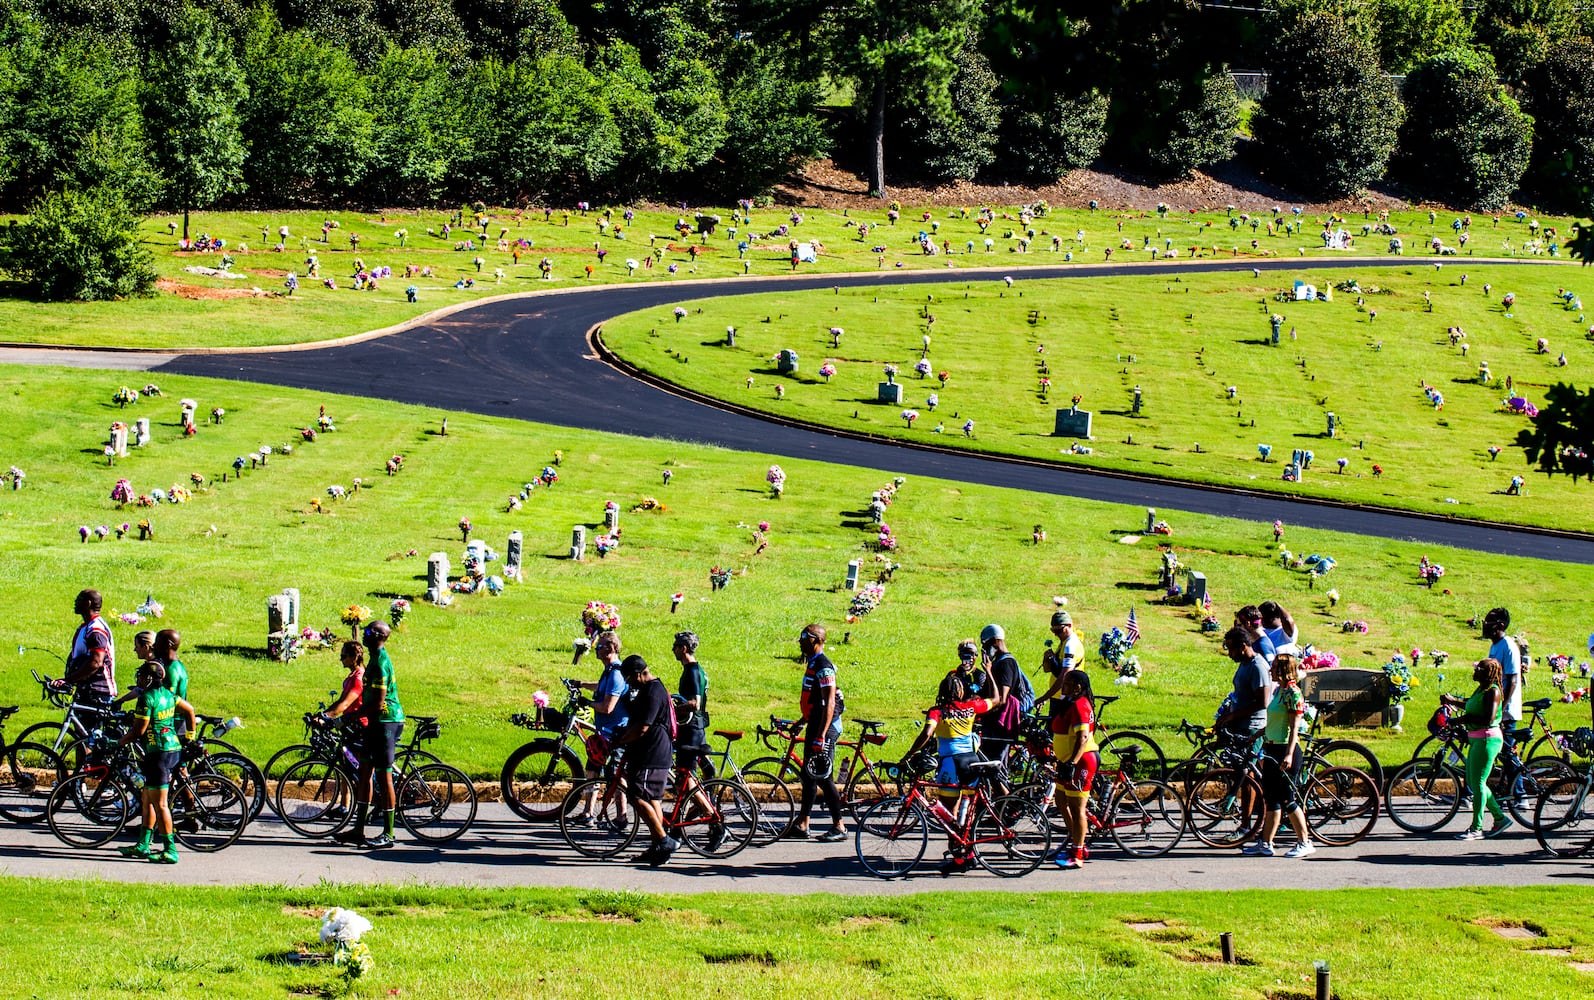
x=1008 y=836
x=207 y=753
x=1340 y=804
x=93 y=805
x=277 y=765
x=1147 y=759
x=1426 y=793
x=434 y=801
x=1144 y=817
x=861 y=781
x=29 y=773
x=1563 y=817
x=777 y=806
x=1551 y=743
x=80 y=720
x=537 y=777
x=715 y=818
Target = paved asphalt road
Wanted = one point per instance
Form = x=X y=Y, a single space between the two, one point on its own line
x=502 y=851
x=529 y=359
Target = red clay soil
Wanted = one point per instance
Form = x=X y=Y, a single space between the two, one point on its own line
x=183 y=291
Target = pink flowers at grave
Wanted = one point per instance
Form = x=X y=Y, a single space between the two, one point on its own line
x=1045 y=385
x=910 y=416
x=922 y=367
x=1320 y=661
x=464 y=529
x=886 y=539
x=763 y=526
x=827 y=371
x=1429 y=572
x=599 y=617
x=776 y=477
x=680 y=313
x=122 y=492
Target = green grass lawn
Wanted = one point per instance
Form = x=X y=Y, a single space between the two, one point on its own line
x=965 y=553
x=198 y=311
x=473 y=943
x=1184 y=341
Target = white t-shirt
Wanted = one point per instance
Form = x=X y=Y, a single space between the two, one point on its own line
x=1510 y=657
x=1073 y=653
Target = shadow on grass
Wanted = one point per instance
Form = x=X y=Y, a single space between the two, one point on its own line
x=244 y=652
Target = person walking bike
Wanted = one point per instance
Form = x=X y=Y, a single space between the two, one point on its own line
x=1281 y=762
x=822 y=706
x=1074 y=744
x=647 y=750
x=155 y=724
x=951 y=722
x=384 y=724
x=692 y=708
x=1481 y=715
x=91 y=661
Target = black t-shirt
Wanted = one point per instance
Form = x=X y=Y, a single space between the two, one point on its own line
x=1003 y=674
x=694 y=684
x=650 y=707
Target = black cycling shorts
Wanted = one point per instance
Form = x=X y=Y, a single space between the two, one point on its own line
x=158 y=767
x=381 y=744
x=647 y=783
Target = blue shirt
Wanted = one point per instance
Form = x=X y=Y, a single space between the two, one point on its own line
x=612 y=683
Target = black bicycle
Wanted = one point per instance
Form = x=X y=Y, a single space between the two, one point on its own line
x=537 y=778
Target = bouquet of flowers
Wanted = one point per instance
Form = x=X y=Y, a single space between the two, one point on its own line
x=1162 y=528
x=1114 y=648
x=865 y=601
x=1353 y=626
x=122 y=492
x=151 y=608
x=284 y=647
x=549 y=476
x=606 y=544
x=336 y=492
x=888 y=541
x=354 y=616
x=599 y=617
x=397 y=610
x=312 y=640
x=1315 y=660
x=1128 y=672
x=1210 y=623
x=910 y=416
x=776 y=477
x=827 y=371
x=179 y=494
x=1438 y=656
x=718 y=577
x=1399 y=678
x=125 y=396
x=343 y=929
x=922 y=367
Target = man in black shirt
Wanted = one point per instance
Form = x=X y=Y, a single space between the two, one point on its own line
x=646 y=741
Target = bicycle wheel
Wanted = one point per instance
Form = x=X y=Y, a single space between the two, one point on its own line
x=1147 y=759
x=783 y=768
x=239 y=770
x=1146 y=819
x=726 y=826
x=892 y=837
x=1012 y=836
x=29 y=773
x=777 y=807
x=1341 y=805
x=603 y=827
x=315 y=798
x=1521 y=797
x=1225 y=808
x=1349 y=753
x=537 y=778
x=436 y=802
x=87 y=809
x=865 y=787
x=209 y=812
x=46 y=734
x=408 y=760
x=1563 y=820
x=1424 y=795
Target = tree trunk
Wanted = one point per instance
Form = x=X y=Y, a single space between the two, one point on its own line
x=185 y=223
x=877 y=138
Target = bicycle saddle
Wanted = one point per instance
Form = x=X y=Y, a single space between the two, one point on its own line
x=210 y=720
x=1106 y=700
x=421 y=720
x=8 y=712
x=730 y=734
x=865 y=723
x=1537 y=705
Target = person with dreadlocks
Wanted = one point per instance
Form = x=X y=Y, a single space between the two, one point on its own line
x=951 y=721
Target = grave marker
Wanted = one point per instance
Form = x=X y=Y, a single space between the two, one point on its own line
x=437 y=568
x=578 y=542
x=1073 y=423
x=1333 y=424
x=1359 y=696
x=611 y=519
x=1151 y=519
x=852 y=574
x=292 y=594
x=141 y=432
x=786 y=362
x=1136 y=410
x=279 y=614
x=512 y=556
x=119 y=439
x=1195 y=587
x=890 y=392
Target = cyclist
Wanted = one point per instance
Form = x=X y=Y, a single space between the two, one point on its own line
x=353 y=657
x=951 y=721
x=1077 y=760
x=822 y=706
x=1068 y=656
x=91 y=662
x=1244 y=712
x=1280 y=627
x=167 y=643
x=691 y=711
x=1481 y=715
x=999 y=722
x=155 y=723
x=609 y=713
x=1281 y=762
x=384 y=723
x=1504 y=650
x=647 y=745
x=143 y=645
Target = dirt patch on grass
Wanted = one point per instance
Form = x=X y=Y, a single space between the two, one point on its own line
x=314 y=913
x=1520 y=930
x=764 y=958
x=851 y=924
x=195 y=292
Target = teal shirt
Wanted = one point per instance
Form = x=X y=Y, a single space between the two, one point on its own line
x=158 y=707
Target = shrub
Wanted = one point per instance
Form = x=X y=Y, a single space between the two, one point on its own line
x=1465 y=140
x=1044 y=137
x=1560 y=96
x=79 y=245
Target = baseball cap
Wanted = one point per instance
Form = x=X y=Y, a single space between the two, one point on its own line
x=1061 y=618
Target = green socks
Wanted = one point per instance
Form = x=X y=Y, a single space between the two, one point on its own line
x=387 y=822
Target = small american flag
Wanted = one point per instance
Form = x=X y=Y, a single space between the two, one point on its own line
x=1132 y=628
x=1206 y=602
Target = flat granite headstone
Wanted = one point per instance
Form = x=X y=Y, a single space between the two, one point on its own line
x=1195 y=587
x=889 y=392
x=1073 y=423
x=512 y=555
x=852 y=574
x=1360 y=696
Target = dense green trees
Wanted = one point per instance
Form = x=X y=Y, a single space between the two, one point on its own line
x=1465 y=140
x=179 y=105
x=79 y=245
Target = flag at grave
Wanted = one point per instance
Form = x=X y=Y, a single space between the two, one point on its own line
x=1132 y=628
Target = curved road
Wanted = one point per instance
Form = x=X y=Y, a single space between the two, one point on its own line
x=529 y=359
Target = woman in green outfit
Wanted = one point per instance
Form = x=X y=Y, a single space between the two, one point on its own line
x=1481 y=715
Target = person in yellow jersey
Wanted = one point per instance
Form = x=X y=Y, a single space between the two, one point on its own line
x=951 y=722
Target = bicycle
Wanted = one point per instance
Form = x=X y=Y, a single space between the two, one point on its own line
x=434 y=801
x=714 y=818
x=1144 y=817
x=230 y=764
x=94 y=804
x=1148 y=756
x=29 y=773
x=277 y=765
x=1334 y=751
x=80 y=720
x=538 y=775
x=1426 y=793
x=1340 y=804
x=1008 y=836
x=861 y=781
x=777 y=807
x=1563 y=817
x=1548 y=745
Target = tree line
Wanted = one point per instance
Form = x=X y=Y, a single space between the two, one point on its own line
x=164 y=104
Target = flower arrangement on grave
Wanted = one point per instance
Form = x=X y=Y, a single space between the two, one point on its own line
x=1210 y=623
x=351 y=956
x=1429 y=572
x=394 y=464
x=718 y=577
x=647 y=503
x=922 y=366
x=1319 y=660
x=680 y=313
x=1439 y=658
x=122 y=492
x=890 y=372
x=1399 y=678
x=145 y=531
x=464 y=529
x=315 y=504
x=125 y=396
x=886 y=540
x=1045 y=385
x=1162 y=528
x=130 y=618
x=308 y=434
x=865 y=601
x=151 y=608
x=514 y=502
x=15 y=477
x=606 y=544
x=179 y=494
x=152 y=390
x=283 y=647
x=1333 y=597
x=354 y=616
x=1117 y=650
x=827 y=371
x=1264 y=450
x=1128 y=672
x=776 y=477
x=599 y=617
x=313 y=639
x=549 y=476
x=336 y=492
x=1357 y=626
x=910 y=416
